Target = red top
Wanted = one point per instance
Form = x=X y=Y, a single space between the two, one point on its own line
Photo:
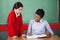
x=15 y=25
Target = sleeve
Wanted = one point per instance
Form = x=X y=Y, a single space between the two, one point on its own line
x=30 y=27
x=49 y=29
x=10 y=26
x=21 y=26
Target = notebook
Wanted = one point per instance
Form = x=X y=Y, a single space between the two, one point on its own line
x=36 y=36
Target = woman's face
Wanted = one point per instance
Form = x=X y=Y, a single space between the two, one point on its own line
x=19 y=10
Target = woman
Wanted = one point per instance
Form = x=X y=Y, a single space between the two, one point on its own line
x=15 y=24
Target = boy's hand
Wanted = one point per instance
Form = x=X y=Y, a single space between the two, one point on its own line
x=48 y=34
x=29 y=34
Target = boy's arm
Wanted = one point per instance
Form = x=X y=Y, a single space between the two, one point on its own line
x=49 y=30
x=30 y=29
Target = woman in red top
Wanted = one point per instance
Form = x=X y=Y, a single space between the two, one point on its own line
x=15 y=24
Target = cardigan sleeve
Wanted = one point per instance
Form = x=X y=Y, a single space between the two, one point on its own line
x=11 y=31
x=21 y=25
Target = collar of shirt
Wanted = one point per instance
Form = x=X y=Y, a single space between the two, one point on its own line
x=39 y=21
x=17 y=14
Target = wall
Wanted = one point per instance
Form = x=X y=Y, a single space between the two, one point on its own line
x=30 y=6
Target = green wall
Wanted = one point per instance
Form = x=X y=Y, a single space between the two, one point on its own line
x=30 y=6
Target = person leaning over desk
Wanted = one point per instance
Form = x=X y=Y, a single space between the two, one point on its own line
x=15 y=23
x=39 y=26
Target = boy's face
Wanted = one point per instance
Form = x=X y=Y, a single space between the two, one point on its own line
x=19 y=10
x=37 y=18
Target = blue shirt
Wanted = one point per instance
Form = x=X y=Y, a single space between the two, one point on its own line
x=38 y=28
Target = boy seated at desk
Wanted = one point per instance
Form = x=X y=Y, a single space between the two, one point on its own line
x=39 y=26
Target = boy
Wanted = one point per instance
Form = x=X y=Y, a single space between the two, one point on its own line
x=38 y=25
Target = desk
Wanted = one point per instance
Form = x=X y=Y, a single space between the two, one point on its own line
x=55 y=37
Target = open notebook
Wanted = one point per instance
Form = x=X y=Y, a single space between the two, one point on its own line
x=36 y=36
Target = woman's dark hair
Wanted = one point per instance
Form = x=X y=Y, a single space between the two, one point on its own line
x=40 y=12
x=17 y=5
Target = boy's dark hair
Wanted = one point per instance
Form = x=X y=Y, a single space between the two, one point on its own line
x=40 y=12
x=17 y=5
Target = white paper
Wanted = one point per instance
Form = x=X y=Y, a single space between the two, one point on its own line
x=36 y=36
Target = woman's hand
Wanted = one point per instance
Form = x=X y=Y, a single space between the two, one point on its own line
x=23 y=35
x=14 y=38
